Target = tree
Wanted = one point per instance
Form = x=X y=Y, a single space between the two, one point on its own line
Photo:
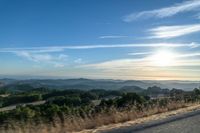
x=196 y=91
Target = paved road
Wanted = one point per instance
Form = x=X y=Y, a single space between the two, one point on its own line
x=186 y=123
x=12 y=107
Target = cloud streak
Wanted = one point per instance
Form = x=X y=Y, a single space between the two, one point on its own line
x=173 y=31
x=57 y=61
x=181 y=60
x=140 y=53
x=85 y=47
x=186 y=6
x=112 y=37
x=35 y=57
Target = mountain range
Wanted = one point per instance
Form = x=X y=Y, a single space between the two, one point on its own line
x=87 y=84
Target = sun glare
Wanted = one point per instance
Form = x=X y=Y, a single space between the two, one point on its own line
x=163 y=58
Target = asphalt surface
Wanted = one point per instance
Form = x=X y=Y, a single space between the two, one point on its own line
x=184 y=123
x=12 y=107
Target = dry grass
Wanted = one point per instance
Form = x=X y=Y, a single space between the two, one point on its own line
x=70 y=124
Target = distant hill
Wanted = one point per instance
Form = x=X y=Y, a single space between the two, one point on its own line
x=135 y=89
x=1 y=84
x=87 y=84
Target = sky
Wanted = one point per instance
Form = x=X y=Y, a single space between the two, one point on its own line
x=100 y=39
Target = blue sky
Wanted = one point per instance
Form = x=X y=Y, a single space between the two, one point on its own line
x=115 y=39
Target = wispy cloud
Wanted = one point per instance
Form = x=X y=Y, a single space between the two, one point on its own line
x=82 y=47
x=62 y=57
x=35 y=57
x=112 y=37
x=140 y=53
x=130 y=64
x=59 y=65
x=190 y=55
x=57 y=61
x=78 y=61
x=147 y=62
x=117 y=64
x=194 y=45
x=49 y=55
x=186 y=6
x=173 y=31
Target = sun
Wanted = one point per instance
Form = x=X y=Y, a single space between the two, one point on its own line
x=163 y=58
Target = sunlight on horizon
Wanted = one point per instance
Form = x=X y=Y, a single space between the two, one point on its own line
x=163 y=58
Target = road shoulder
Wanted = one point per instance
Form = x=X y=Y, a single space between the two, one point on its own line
x=160 y=116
